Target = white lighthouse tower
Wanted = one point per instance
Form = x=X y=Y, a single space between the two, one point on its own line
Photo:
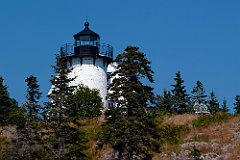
x=89 y=60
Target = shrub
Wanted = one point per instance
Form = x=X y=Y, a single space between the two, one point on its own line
x=172 y=133
x=206 y=120
x=195 y=153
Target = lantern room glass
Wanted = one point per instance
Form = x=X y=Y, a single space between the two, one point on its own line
x=86 y=41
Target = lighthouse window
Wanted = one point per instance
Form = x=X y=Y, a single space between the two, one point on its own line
x=88 y=41
x=95 y=43
x=77 y=42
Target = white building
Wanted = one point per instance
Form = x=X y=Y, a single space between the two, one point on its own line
x=91 y=62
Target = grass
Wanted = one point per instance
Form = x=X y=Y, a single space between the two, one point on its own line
x=172 y=133
x=182 y=119
x=212 y=133
x=218 y=133
x=206 y=120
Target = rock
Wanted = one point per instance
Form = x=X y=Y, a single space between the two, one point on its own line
x=227 y=147
x=215 y=146
x=191 y=144
x=237 y=135
x=224 y=156
x=210 y=156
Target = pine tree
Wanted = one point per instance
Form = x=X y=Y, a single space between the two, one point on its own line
x=179 y=96
x=61 y=88
x=213 y=104
x=130 y=130
x=198 y=93
x=33 y=95
x=164 y=102
x=64 y=138
x=224 y=106
x=237 y=104
x=26 y=143
x=10 y=112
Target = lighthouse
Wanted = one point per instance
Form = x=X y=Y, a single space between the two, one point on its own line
x=89 y=60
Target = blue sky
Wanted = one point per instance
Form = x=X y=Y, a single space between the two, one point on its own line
x=198 y=38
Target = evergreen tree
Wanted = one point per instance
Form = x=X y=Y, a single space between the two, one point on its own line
x=60 y=88
x=237 y=104
x=62 y=137
x=129 y=129
x=213 y=104
x=10 y=112
x=85 y=103
x=27 y=134
x=23 y=144
x=179 y=96
x=198 y=93
x=224 y=106
x=33 y=95
x=164 y=103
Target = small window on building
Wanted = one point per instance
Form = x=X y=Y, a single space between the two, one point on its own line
x=111 y=103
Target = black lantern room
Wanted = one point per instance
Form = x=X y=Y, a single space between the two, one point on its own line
x=86 y=42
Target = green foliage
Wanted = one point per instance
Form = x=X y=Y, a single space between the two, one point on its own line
x=61 y=88
x=195 y=153
x=206 y=120
x=25 y=144
x=84 y=103
x=18 y=117
x=224 y=106
x=171 y=133
x=10 y=112
x=180 y=97
x=95 y=132
x=198 y=93
x=213 y=104
x=237 y=104
x=129 y=129
x=65 y=137
x=164 y=103
x=65 y=142
x=33 y=95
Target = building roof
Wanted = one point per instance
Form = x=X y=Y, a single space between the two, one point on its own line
x=86 y=31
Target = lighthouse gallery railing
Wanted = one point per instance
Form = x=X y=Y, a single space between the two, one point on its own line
x=104 y=49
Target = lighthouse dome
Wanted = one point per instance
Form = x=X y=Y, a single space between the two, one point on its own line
x=86 y=31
